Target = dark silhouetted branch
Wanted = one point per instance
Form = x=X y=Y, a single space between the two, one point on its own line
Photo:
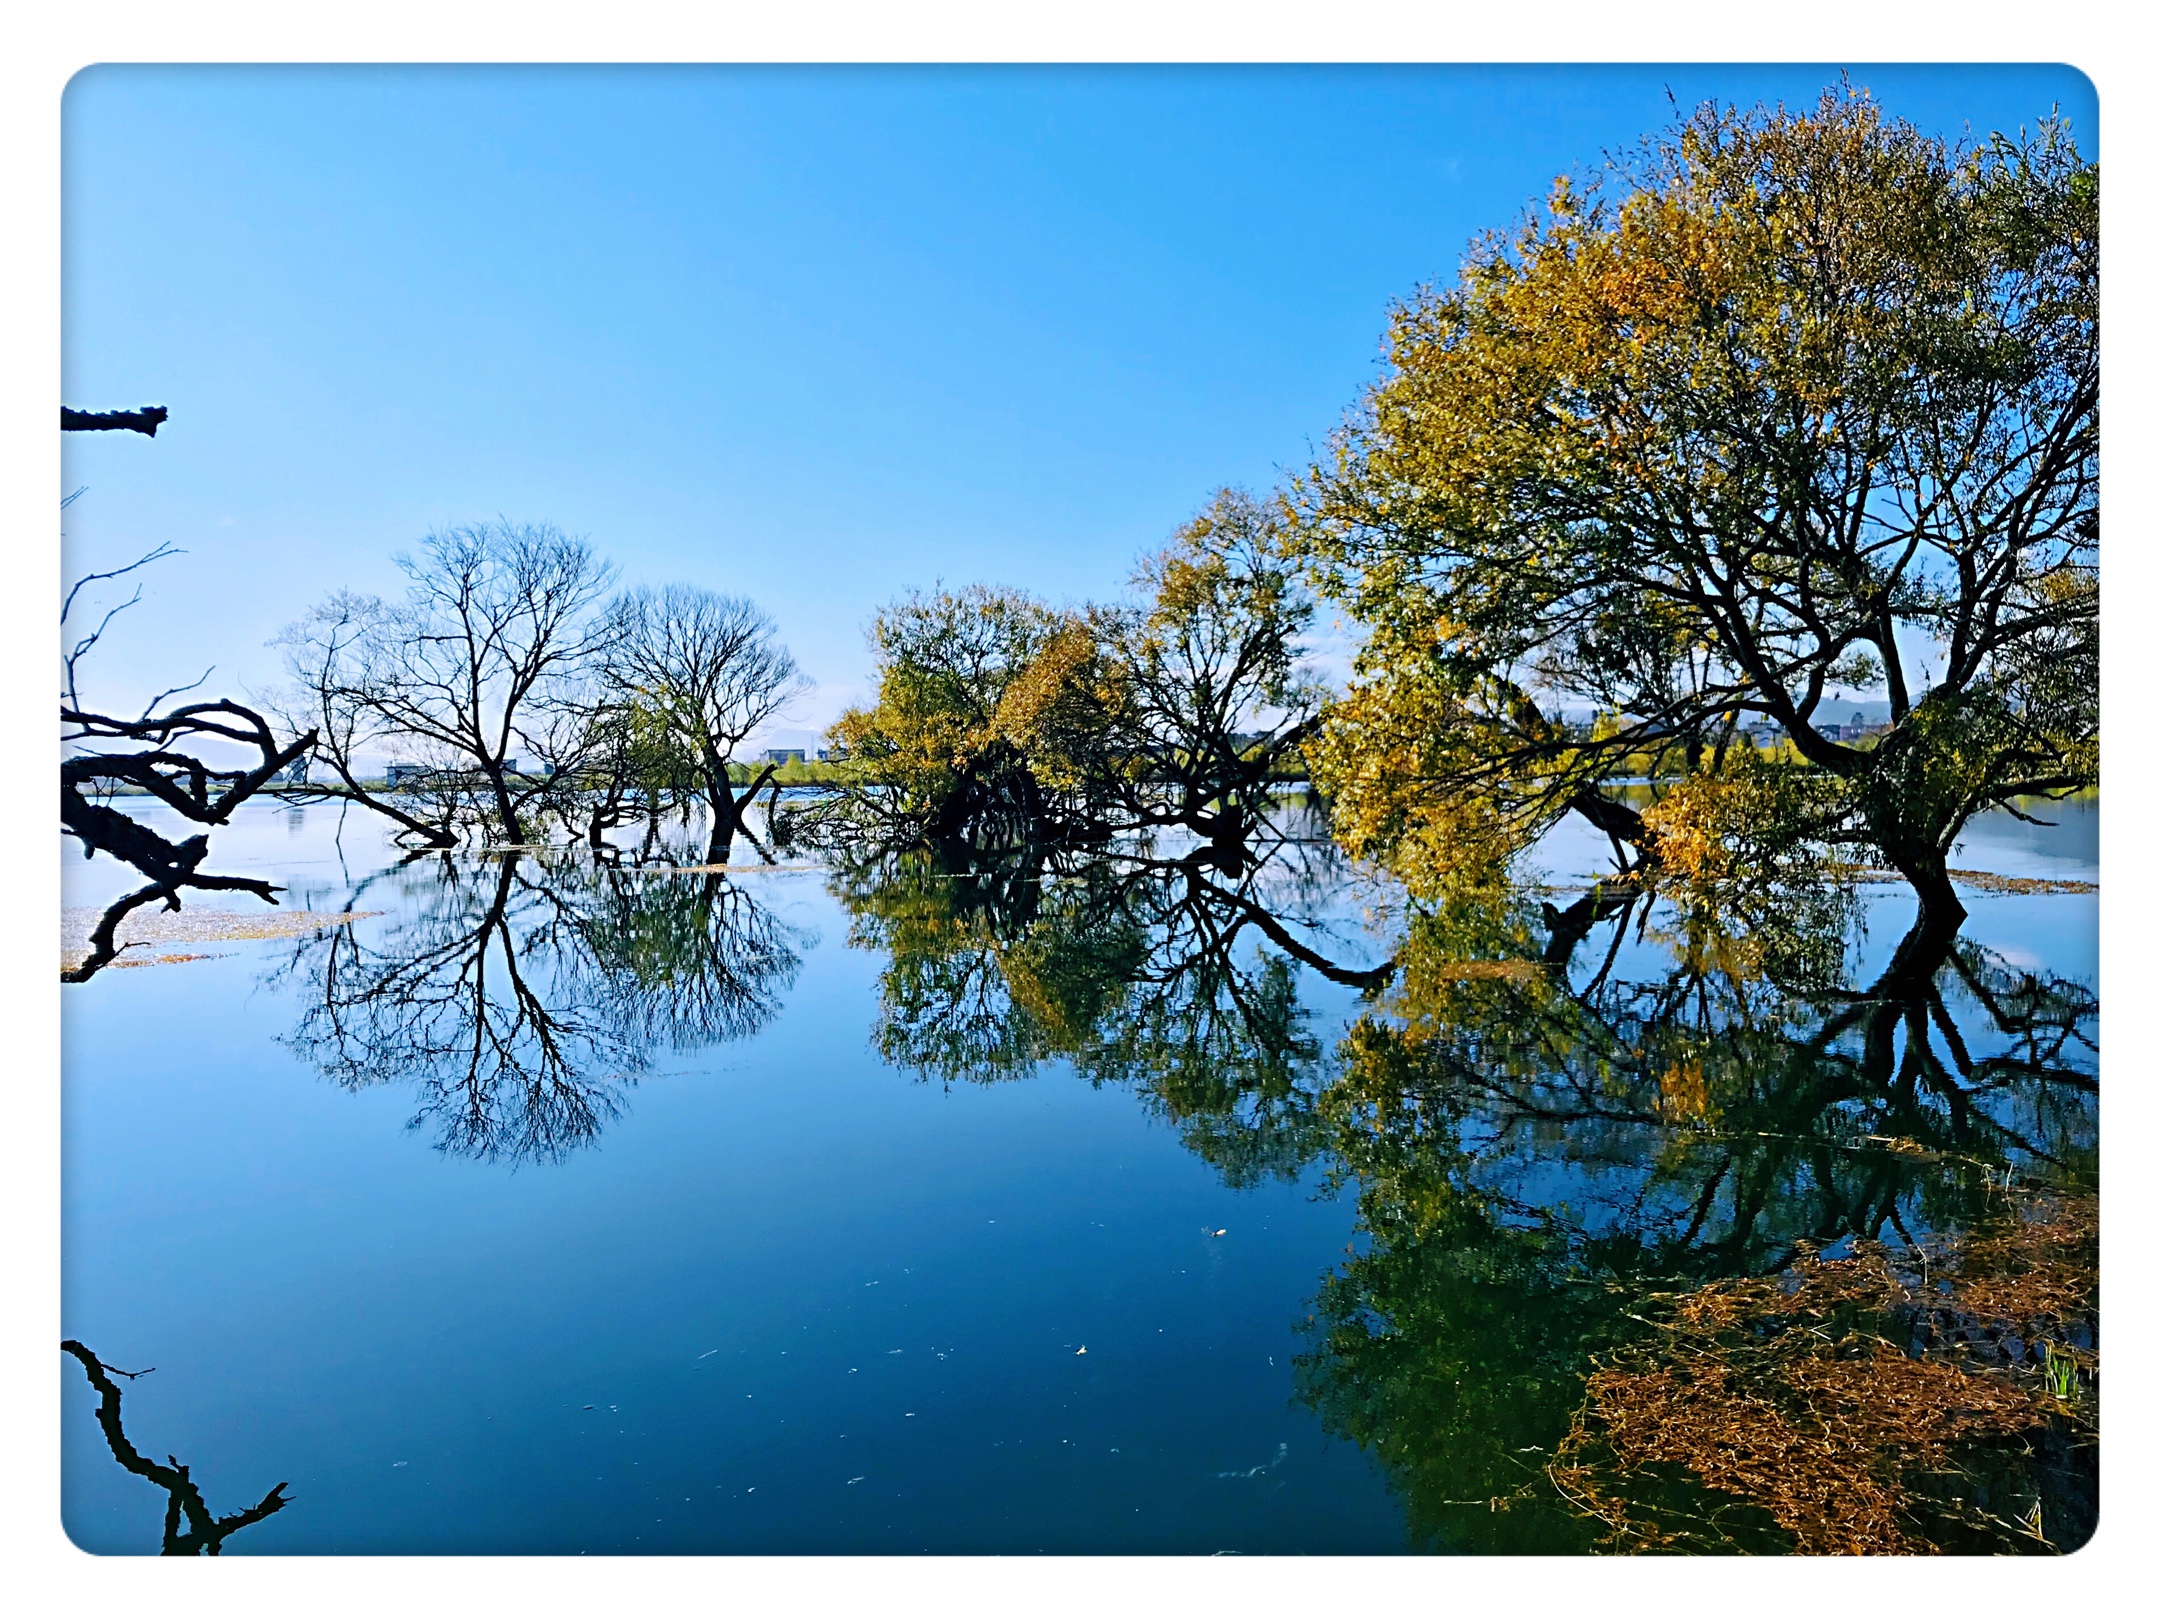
x=205 y=1535
x=145 y=421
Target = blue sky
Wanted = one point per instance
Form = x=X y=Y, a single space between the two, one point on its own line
x=814 y=335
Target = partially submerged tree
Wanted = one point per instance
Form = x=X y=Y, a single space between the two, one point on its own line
x=158 y=754
x=999 y=715
x=204 y=1535
x=155 y=754
x=1215 y=695
x=471 y=676
x=631 y=767
x=990 y=709
x=1790 y=404
x=710 y=671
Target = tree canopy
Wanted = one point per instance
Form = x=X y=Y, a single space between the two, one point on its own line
x=1174 y=708
x=1784 y=405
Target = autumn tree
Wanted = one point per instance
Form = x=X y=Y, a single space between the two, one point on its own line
x=1215 y=694
x=1177 y=708
x=990 y=709
x=1784 y=405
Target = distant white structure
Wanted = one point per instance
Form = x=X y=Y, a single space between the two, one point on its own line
x=398 y=775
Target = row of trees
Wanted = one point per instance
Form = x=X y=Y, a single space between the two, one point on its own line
x=1784 y=405
x=999 y=717
x=524 y=698
x=521 y=697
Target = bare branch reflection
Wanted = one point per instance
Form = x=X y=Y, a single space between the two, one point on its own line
x=521 y=996
x=204 y=1535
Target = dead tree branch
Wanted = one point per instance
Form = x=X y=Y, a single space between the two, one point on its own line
x=145 y=421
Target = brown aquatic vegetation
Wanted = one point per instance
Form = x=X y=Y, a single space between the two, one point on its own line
x=1994 y=882
x=1835 y=1396
x=1989 y=882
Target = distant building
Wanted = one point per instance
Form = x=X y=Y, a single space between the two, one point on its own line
x=832 y=755
x=398 y=775
x=296 y=772
x=782 y=756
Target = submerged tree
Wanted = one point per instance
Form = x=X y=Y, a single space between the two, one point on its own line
x=999 y=717
x=989 y=714
x=1788 y=404
x=1216 y=698
x=708 y=670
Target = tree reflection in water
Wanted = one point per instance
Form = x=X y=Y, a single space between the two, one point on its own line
x=522 y=995
x=1543 y=1113
x=1533 y=1147
x=204 y=1535
x=1161 y=971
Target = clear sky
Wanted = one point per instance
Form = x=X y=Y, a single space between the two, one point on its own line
x=813 y=335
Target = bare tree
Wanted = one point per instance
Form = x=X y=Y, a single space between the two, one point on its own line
x=712 y=669
x=323 y=653
x=471 y=675
x=156 y=765
x=153 y=753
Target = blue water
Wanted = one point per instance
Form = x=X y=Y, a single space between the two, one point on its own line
x=790 y=1298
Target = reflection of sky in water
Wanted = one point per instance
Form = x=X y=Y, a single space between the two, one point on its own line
x=682 y=1338
x=2068 y=850
x=786 y=1267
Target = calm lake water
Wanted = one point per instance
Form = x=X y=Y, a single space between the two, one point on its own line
x=557 y=1210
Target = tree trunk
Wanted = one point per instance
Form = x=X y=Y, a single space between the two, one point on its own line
x=727 y=811
x=720 y=795
x=512 y=832
x=1923 y=950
